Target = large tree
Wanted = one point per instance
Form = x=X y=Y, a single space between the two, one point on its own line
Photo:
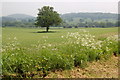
x=47 y=17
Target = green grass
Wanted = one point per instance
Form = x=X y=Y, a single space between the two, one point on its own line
x=26 y=51
x=28 y=36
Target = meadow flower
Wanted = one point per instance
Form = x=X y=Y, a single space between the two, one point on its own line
x=54 y=49
x=43 y=46
x=62 y=36
x=15 y=38
x=87 y=40
x=49 y=45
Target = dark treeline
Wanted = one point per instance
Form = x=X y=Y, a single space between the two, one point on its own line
x=19 y=23
x=89 y=20
x=69 y=20
x=18 y=20
x=91 y=24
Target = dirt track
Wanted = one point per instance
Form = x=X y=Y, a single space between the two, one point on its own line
x=99 y=69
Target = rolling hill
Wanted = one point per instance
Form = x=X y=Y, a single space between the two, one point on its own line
x=80 y=19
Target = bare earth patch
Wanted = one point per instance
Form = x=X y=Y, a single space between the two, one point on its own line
x=99 y=69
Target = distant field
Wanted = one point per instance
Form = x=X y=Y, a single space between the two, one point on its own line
x=27 y=52
x=28 y=36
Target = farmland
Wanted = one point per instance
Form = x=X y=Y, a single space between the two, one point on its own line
x=27 y=51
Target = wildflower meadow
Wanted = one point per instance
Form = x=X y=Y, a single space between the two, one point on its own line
x=26 y=53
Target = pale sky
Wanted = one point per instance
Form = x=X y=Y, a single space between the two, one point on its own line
x=62 y=6
x=59 y=0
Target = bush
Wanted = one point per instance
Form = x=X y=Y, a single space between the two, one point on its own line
x=80 y=60
x=57 y=61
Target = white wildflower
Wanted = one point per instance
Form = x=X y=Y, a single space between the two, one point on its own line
x=62 y=36
x=15 y=38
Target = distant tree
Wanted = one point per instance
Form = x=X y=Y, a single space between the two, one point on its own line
x=102 y=24
x=106 y=23
x=86 y=24
x=92 y=20
x=117 y=23
x=81 y=20
x=64 y=23
x=70 y=19
x=47 y=17
x=64 y=26
x=76 y=26
x=93 y=26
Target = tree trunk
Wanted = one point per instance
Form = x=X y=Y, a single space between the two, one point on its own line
x=47 y=28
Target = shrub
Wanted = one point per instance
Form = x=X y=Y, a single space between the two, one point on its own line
x=80 y=60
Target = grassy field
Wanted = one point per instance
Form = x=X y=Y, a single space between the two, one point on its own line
x=28 y=51
x=28 y=36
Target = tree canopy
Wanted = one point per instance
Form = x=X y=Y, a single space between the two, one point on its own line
x=47 y=17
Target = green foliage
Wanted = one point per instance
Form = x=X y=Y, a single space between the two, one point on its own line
x=17 y=61
x=23 y=23
x=80 y=60
x=57 y=61
x=47 y=17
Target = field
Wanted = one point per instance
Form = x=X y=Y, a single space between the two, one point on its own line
x=30 y=51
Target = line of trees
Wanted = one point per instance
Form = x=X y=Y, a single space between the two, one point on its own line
x=19 y=23
x=63 y=24
x=91 y=24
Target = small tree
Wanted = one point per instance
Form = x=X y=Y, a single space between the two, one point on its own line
x=47 y=17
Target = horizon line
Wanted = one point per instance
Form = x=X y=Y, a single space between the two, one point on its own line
x=64 y=13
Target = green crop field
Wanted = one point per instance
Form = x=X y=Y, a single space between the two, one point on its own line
x=28 y=50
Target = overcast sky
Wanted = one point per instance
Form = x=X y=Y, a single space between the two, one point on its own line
x=62 y=6
x=59 y=0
